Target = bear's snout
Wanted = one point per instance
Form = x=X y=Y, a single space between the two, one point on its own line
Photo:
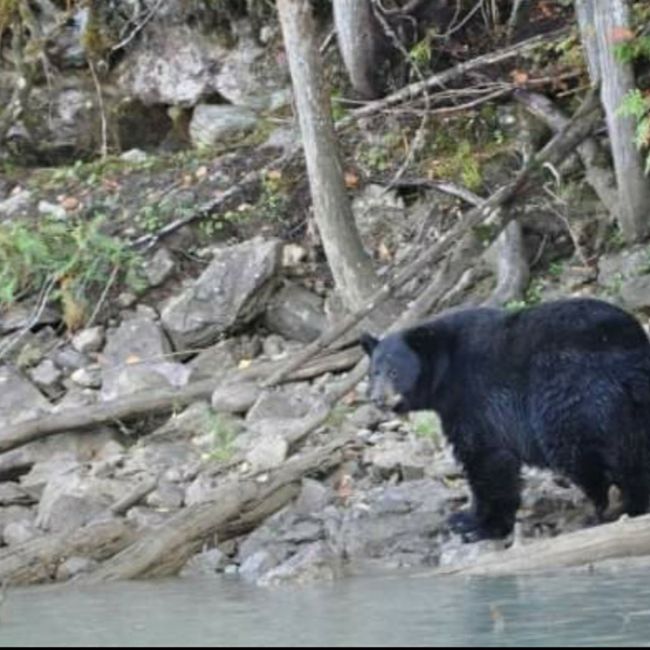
x=385 y=397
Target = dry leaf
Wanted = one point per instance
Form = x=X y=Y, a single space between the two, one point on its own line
x=620 y=34
x=351 y=180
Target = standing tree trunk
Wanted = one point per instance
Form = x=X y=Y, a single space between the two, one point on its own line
x=362 y=44
x=350 y=265
x=602 y=25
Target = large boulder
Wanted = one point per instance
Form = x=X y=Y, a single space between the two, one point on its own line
x=212 y=124
x=296 y=313
x=173 y=65
x=232 y=291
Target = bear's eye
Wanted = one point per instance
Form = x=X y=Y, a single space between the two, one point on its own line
x=392 y=373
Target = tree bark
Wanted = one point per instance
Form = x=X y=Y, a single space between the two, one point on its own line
x=362 y=44
x=602 y=26
x=37 y=561
x=351 y=267
x=625 y=538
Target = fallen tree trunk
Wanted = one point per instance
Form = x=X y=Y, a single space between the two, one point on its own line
x=236 y=508
x=150 y=402
x=625 y=538
x=38 y=560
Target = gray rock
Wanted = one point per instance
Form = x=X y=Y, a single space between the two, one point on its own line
x=88 y=377
x=626 y=276
x=12 y=494
x=313 y=498
x=635 y=293
x=19 y=399
x=201 y=490
x=52 y=210
x=315 y=562
x=69 y=359
x=215 y=361
x=231 y=291
x=285 y=403
x=15 y=515
x=89 y=340
x=74 y=566
x=77 y=397
x=63 y=121
x=630 y=262
x=250 y=76
x=212 y=124
x=19 y=532
x=379 y=215
x=72 y=500
x=34 y=347
x=167 y=496
x=133 y=360
x=409 y=457
x=269 y=452
x=256 y=565
x=26 y=314
x=146 y=519
x=134 y=156
x=159 y=267
x=190 y=423
x=235 y=398
x=367 y=416
x=174 y=65
x=47 y=376
x=155 y=459
x=207 y=563
x=296 y=313
x=397 y=524
x=19 y=203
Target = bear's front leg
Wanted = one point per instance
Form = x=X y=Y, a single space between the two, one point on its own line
x=494 y=476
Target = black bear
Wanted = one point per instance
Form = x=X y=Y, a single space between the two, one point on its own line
x=563 y=385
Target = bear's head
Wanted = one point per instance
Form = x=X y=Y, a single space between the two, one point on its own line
x=395 y=370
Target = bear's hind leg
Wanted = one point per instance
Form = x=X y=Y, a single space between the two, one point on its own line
x=594 y=478
x=635 y=488
x=494 y=477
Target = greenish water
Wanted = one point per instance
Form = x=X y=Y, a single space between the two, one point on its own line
x=567 y=609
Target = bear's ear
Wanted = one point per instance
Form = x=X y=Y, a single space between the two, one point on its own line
x=368 y=343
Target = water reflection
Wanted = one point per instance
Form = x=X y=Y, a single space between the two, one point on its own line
x=559 y=610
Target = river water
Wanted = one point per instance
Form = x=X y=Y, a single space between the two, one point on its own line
x=407 y=610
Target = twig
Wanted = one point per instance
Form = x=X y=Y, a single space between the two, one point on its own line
x=102 y=111
x=102 y=298
x=137 y=29
x=11 y=343
x=440 y=79
x=419 y=138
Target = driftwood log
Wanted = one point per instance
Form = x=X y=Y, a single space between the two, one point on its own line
x=38 y=560
x=625 y=538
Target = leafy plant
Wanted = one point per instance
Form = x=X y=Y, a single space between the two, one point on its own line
x=426 y=424
x=637 y=105
x=223 y=432
x=76 y=259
